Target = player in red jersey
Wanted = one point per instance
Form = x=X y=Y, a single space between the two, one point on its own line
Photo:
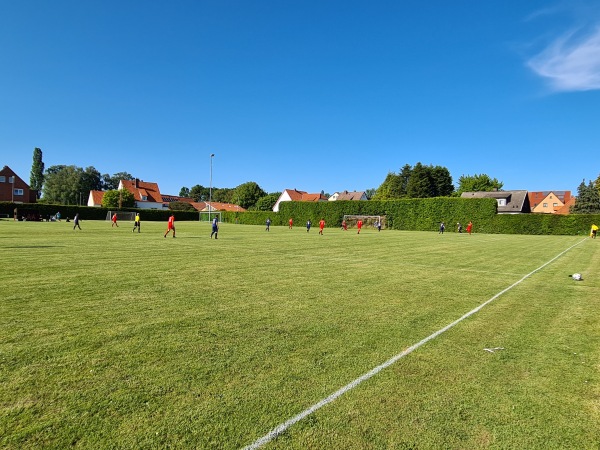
x=171 y=225
x=291 y=222
x=114 y=221
x=321 y=226
x=359 y=225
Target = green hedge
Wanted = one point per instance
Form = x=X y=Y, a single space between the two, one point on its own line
x=410 y=214
x=90 y=213
x=424 y=215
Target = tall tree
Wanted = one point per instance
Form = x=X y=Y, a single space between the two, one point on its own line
x=118 y=199
x=36 y=178
x=442 y=181
x=390 y=188
x=200 y=193
x=90 y=180
x=247 y=194
x=223 y=195
x=478 y=183
x=420 y=183
x=62 y=184
x=184 y=192
x=267 y=202
x=588 y=199
x=112 y=182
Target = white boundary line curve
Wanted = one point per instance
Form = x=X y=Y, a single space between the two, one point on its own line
x=288 y=423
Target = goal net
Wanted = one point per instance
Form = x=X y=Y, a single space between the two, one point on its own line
x=206 y=216
x=368 y=221
x=123 y=216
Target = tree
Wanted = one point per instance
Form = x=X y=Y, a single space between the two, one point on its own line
x=61 y=185
x=478 y=183
x=370 y=193
x=111 y=183
x=267 y=202
x=181 y=206
x=420 y=183
x=90 y=180
x=223 y=195
x=416 y=182
x=184 y=192
x=597 y=184
x=588 y=199
x=36 y=178
x=442 y=181
x=200 y=193
x=247 y=194
x=390 y=188
x=118 y=199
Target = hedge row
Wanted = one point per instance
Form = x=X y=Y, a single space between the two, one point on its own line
x=44 y=211
x=424 y=215
x=409 y=214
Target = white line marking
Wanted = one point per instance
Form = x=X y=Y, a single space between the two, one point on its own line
x=284 y=426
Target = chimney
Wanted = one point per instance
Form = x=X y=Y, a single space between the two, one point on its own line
x=137 y=183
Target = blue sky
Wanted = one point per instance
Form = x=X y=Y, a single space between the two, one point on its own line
x=313 y=95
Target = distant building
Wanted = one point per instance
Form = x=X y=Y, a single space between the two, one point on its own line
x=95 y=199
x=345 y=195
x=294 y=195
x=147 y=195
x=14 y=189
x=509 y=202
x=549 y=202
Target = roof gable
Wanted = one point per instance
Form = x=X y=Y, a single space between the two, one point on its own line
x=141 y=189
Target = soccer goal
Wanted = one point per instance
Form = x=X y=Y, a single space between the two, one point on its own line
x=123 y=216
x=204 y=216
x=368 y=221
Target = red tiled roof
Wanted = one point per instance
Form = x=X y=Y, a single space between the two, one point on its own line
x=295 y=195
x=139 y=188
x=312 y=197
x=97 y=197
x=566 y=209
x=217 y=206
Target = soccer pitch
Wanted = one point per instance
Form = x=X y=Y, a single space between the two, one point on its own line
x=114 y=339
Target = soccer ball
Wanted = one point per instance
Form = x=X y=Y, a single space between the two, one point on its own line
x=576 y=276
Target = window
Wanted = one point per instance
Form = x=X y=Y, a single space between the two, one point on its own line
x=18 y=191
x=501 y=202
x=11 y=179
x=145 y=198
x=555 y=204
x=545 y=205
x=2 y=179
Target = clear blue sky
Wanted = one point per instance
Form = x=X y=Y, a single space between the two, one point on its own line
x=307 y=94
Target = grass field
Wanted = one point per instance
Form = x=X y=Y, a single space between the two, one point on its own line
x=114 y=339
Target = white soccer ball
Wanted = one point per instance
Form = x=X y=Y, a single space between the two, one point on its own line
x=576 y=276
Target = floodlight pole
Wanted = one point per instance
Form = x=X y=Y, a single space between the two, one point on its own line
x=210 y=189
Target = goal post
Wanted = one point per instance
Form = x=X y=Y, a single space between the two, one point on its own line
x=123 y=216
x=368 y=221
x=208 y=216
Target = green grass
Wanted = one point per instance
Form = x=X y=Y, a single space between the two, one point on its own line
x=114 y=339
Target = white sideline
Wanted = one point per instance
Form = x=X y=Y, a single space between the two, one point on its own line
x=284 y=426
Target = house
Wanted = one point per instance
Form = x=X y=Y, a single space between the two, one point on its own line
x=14 y=189
x=509 y=202
x=95 y=198
x=294 y=195
x=549 y=202
x=566 y=208
x=345 y=195
x=147 y=195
